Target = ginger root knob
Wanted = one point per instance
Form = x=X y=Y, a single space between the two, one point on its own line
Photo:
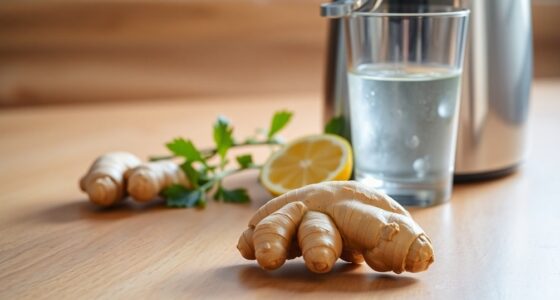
x=146 y=181
x=105 y=181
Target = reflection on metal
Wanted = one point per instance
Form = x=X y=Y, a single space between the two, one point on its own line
x=496 y=81
x=496 y=85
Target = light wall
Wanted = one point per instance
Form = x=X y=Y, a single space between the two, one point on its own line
x=75 y=51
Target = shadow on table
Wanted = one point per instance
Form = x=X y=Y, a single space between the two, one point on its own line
x=84 y=210
x=294 y=277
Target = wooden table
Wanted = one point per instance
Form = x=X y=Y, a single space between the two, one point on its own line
x=497 y=239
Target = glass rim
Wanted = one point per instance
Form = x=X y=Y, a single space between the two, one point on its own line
x=454 y=12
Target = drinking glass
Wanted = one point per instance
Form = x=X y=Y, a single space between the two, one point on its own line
x=404 y=75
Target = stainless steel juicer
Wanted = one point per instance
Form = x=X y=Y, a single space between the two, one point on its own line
x=495 y=85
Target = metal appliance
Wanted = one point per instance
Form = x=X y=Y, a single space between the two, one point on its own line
x=496 y=81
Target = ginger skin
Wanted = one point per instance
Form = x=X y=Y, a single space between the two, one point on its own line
x=273 y=235
x=146 y=181
x=105 y=181
x=320 y=242
x=372 y=227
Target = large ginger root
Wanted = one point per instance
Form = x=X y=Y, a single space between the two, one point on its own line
x=339 y=219
x=105 y=182
x=146 y=181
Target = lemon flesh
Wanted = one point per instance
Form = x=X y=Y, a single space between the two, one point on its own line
x=307 y=160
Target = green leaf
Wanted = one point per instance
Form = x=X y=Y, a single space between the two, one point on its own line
x=223 y=136
x=236 y=196
x=245 y=161
x=180 y=196
x=192 y=174
x=185 y=148
x=279 y=121
x=336 y=126
x=232 y=196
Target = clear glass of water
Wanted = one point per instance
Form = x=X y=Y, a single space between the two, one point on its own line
x=404 y=74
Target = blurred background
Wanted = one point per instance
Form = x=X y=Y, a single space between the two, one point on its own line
x=78 y=51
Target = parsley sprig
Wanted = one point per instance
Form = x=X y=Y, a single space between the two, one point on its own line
x=206 y=175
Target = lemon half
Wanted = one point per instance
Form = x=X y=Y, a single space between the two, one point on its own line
x=307 y=160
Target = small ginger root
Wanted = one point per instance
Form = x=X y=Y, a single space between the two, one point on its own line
x=339 y=219
x=146 y=181
x=105 y=182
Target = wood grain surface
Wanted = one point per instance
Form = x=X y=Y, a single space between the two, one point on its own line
x=494 y=240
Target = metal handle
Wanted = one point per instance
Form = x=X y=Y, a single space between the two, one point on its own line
x=343 y=8
x=336 y=9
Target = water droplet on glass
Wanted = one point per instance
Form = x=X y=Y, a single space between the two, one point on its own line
x=372 y=93
x=412 y=142
x=444 y=110
x=421 y=166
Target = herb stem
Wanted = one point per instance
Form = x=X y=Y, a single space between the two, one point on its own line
x=210 y=152
x=218 y=177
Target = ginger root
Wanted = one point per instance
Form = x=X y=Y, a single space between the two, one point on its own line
x=114 y=175
x=339 y=219
x=105 y=182
x=146 y=181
